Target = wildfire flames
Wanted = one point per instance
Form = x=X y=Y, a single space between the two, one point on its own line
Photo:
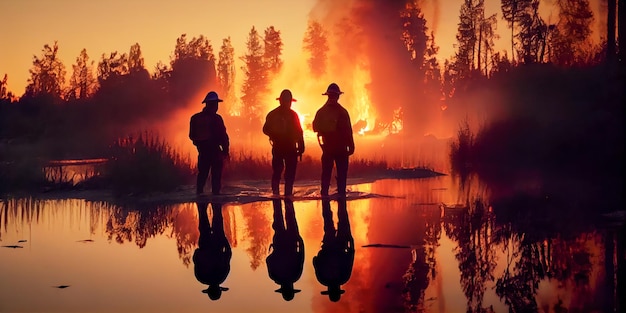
x=370 y=69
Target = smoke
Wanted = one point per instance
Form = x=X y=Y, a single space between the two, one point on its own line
x=370 y=63
x=367 y=52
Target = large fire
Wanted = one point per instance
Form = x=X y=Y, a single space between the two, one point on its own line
x=388 y=114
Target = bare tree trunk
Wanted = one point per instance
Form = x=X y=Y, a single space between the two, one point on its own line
x=513 y=15
x=621 y=32
x=610 y=36
x=480 y=41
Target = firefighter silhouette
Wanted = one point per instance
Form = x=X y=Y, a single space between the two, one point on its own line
x=333 y=263
x=212 y=257
x=286 y=259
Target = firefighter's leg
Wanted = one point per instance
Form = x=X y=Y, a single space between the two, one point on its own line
x=327 y=170
x=342 y=173
x=291 y=162
x=277 y=170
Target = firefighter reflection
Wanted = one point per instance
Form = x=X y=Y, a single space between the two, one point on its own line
x=212 y=257
x=286 y=259
x=333 y=263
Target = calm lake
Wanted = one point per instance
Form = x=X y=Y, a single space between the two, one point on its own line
x=402 y=251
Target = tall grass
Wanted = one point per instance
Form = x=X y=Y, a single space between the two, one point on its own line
x=246 y=166
x=461 y=151
x=146 y=163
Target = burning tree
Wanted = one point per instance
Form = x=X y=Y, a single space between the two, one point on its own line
x=572 y=32
x=226 y=73
x=256 y=81
x=273 y=49
x=315 y=42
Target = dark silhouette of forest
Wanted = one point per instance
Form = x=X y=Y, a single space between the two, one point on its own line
x=553 y=105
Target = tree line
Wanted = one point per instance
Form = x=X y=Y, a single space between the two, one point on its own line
x=118 y=90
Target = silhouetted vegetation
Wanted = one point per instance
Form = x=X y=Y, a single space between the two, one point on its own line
x=145 y=164
x=564 y=123
x=560 y=98
x=22 y=175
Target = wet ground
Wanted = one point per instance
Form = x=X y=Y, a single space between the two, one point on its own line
x=401 y=245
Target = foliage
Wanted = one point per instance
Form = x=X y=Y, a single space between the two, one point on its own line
x=570 y=38
x=461 y=150
x=192 y=69
x=315 y=42
x=513 y=11
x=414 y=34
x=256 y=80
x=273 y=49
x=226 y=73
x=135 y=59
x=47 y=76
x=111 y=67
x=4 y=93
x=83 y=84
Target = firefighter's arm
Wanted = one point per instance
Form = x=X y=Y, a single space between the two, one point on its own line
x=350 y=136
x=192 y=134
x=300 y=142
x=268 y=126
x=224 y=140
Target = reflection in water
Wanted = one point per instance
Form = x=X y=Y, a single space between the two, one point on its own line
x=286 y=259
x=518 y=253
x=421 y=270
x=471 y=228
x=212 y=257
x=128 y=225
x=333 y=263
x=258 y=233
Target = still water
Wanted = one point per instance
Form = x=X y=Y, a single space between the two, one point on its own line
x=403 y=252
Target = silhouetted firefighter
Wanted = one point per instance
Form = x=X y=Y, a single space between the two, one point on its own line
x=286 y=259
x=212 y=257
x=333 y=263
x=334 y=134
x=208 y=133
x=282 y=125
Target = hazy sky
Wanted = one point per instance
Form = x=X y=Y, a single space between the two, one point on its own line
x=114 y=25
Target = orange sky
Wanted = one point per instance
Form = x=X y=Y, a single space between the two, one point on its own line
x=114 y=25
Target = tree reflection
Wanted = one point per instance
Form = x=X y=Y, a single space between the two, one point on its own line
x=471 y=227
x=286 y=259
x=258 y=234
x=128 y=225
x=184 y=230
x=421 y=270
x=541 y=244
x=212 y=257
x=333 y=263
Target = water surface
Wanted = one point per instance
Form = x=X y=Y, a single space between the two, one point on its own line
x=427 y=257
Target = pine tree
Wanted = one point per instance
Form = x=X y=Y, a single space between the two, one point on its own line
x=226 y=72
x=83 y=83
x=256 y=81
x=47 y=76
x=315 y=42
x=273 y=48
